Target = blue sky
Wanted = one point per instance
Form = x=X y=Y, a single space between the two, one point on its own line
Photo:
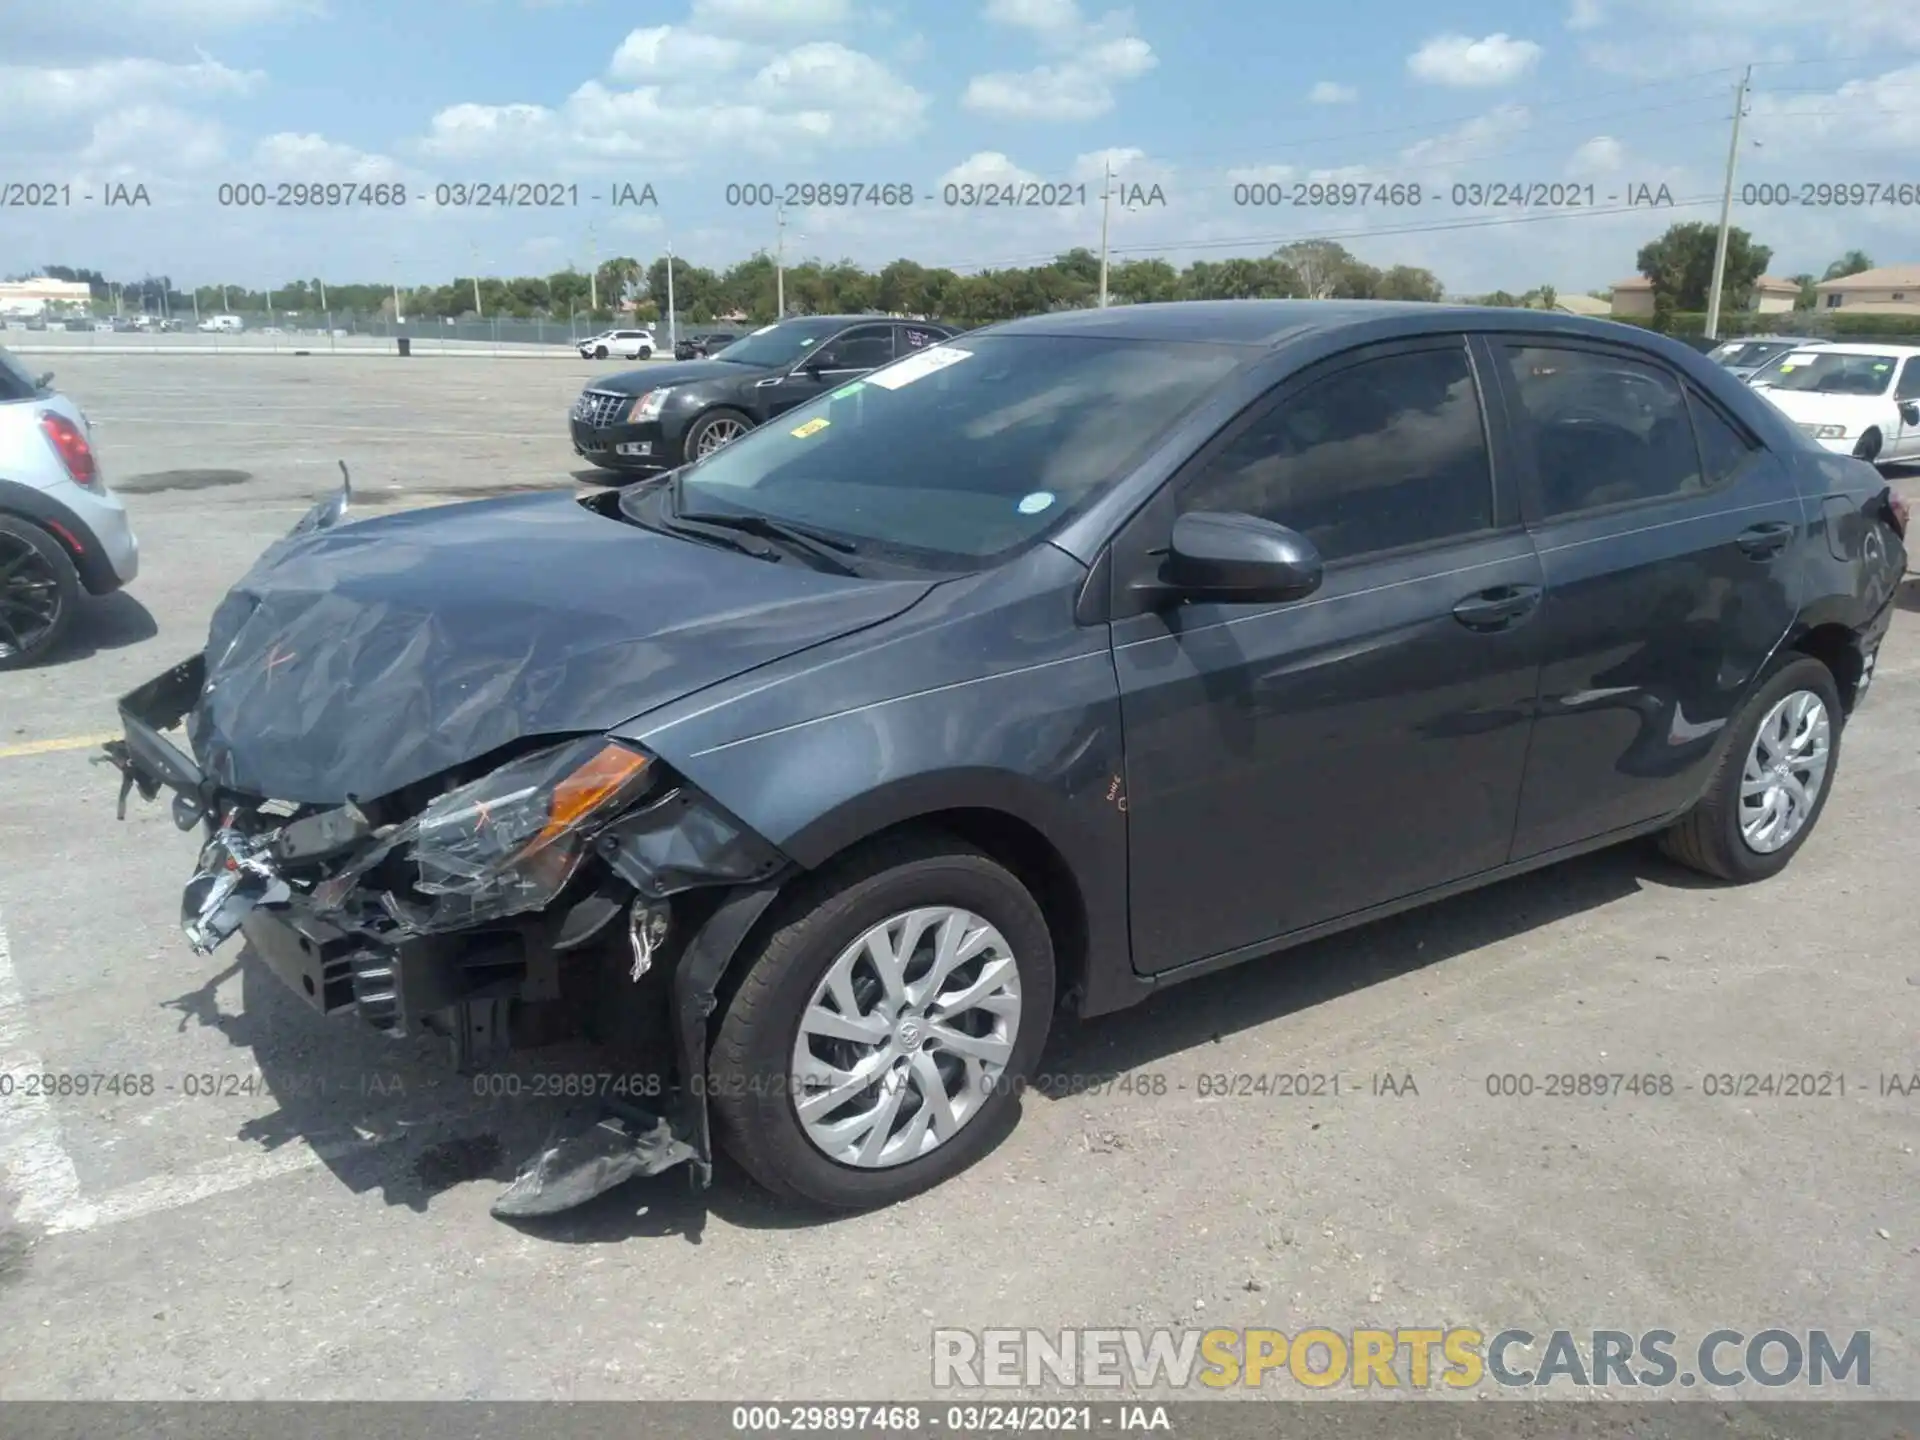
x=1195 y=99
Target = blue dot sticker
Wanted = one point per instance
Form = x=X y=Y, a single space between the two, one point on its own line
x=1036 y=502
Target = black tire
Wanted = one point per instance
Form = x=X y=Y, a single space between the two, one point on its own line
x=1869 y=447
x=59 y=582
x=1707 y=838
x=599 y=352
x=690 y=448
x=751 y=1059
x=646 y=353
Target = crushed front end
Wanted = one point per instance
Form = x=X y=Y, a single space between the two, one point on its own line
x=552 y=891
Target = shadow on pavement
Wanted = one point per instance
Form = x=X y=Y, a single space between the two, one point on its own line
x=390 y=1116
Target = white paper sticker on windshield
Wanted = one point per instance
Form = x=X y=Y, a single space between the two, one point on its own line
x=918 y=366
x=1799 y=357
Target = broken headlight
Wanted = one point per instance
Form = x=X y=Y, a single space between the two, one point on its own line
x=510 y=840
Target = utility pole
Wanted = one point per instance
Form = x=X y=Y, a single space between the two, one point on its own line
x=1726 y=207
x=323 y=295
x=673 y=333
x=478 y=313
x=780 y=264
x=593 y=271
x=1106 y=210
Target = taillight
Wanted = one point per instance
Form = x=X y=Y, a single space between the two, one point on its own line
x=70 y=444
x=1897 y=511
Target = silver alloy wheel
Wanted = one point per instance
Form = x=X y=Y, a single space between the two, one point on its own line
x=721 y=432
x=1785 y=771
x=906 y=1037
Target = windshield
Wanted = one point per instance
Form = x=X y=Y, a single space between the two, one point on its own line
x=781 y=344
x=1829 y=372
x=962 y=453
x=1747 y=353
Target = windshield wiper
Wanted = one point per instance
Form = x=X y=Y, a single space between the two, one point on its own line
x=826 y=549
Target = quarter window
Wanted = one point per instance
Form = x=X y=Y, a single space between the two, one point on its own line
x=1604 y=430
x=1387 y=453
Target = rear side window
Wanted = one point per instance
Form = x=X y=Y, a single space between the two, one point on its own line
x=15 y=382
x=1604 y=430
x=1724 y=447
x=1384 y=454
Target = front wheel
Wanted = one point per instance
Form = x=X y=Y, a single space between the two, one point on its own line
x=1772 y=781
x=1869 y=447
x=714 y=429
x=885 y=1026
x=599 y=352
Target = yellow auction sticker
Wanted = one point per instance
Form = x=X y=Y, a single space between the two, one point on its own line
x=812 y=427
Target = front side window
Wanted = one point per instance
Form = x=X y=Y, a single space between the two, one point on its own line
x=1604 y=430
x=1833 y=372
x=782 y=343
x=962 y=453
x=1386 y=453
x=1909 y=387
x=866 y=348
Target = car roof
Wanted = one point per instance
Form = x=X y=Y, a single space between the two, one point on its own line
x=1867 y=347
x=1267 y=324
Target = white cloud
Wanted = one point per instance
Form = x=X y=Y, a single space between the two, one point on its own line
x=1585 y=15
x=1476 y=141
x=1095 y=57
x=314 y=157
x=1876 y=117
x=137 y=140
x=668 y=51
x=49 y=94
x=754 y=17
x=821 y=91
x=1329 y=92
x=988 y=167
x=1602 y=155
x=1463 y=61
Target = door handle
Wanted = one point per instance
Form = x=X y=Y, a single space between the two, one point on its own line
x=1498 y=608
x=1763 y=542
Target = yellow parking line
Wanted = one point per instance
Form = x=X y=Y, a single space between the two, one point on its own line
x=49 y=747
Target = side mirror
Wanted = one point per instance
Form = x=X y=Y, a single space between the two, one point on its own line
x=1233 y=559
x=45 y=382
x=1910 y=411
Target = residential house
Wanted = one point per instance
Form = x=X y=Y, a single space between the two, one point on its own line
x=1884 y=290
x=1582 y=305
x=1634 y=297
x=1772 y=295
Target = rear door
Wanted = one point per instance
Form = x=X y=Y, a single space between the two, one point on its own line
x=1668 y=537
x=1290 y=764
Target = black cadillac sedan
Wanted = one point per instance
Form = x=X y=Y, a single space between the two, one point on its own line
x=653 y=419
x=1042 y=669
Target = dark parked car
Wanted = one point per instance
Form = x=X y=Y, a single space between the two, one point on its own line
x=652 y=419
x=1045 y=668
x=699 y=347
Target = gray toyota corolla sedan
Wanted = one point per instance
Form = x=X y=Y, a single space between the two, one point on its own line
x=1038 y=670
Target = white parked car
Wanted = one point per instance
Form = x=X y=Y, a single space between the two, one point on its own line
x=62 y=531
x=627 y=344
x=1856 y=399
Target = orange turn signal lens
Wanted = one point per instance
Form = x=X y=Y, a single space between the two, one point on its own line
x=612 y=769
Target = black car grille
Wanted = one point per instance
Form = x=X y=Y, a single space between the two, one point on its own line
x=598 y=408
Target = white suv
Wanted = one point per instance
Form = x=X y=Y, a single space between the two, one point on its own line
x=62 y=531
x=627 y=344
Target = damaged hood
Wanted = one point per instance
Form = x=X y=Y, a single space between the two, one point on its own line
x=353 y=661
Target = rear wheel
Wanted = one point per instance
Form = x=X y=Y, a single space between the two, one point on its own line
x=645 y=353
x=883 y=1029
x=1772 y=782
x=39 y=589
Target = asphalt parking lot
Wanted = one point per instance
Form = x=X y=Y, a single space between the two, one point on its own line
x=298 y=1209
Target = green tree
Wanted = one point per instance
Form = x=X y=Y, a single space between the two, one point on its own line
x=1808 y=296
x=1851 y=263
x=1408 y=282
x=1680 y=265
x=1321 y=266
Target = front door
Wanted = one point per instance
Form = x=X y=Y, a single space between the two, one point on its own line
x=1904 y=443
x=847 y=356
x=1290 y=764
x=1667 y=533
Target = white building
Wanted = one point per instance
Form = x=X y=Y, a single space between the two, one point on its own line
x=38 y=295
